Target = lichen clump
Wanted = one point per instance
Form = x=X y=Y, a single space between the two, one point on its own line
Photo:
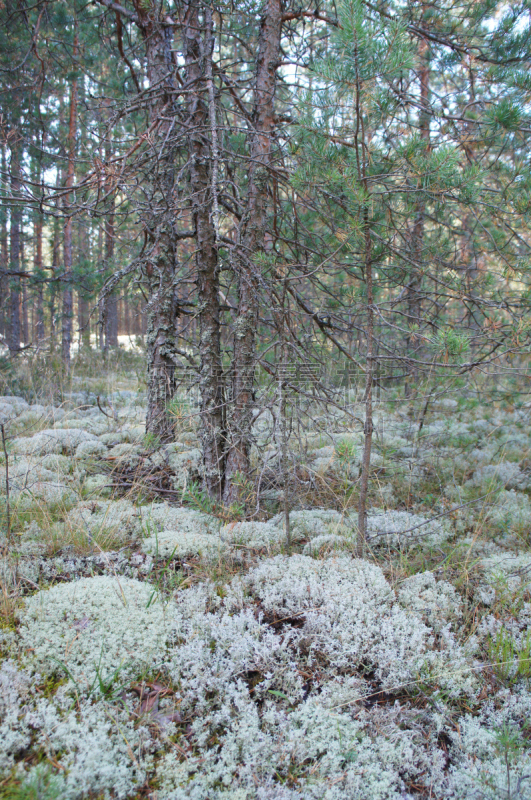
x=93 y=627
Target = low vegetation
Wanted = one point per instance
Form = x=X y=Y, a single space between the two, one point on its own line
x=154 y=644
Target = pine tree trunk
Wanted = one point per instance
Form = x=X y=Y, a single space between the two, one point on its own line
x=110 y=308
x=14 y=255
x=38 y=268
x=68 y=309
x=158 y=219
x=198 y=54
x=111 y=321
x=24 y=304
x=250 y=242
x=56 y=259
x=369 y=380
x=127 y=316
x=414 y=295
x=4 y=258
x=361 y=159
x=83 y=258
x=83 y=320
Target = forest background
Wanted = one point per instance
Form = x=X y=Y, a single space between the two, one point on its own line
x=280 y=204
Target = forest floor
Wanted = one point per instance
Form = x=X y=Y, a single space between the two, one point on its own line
x=155 y=646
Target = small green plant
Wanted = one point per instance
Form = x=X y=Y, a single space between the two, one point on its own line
x=42 y=784
x=247 y=495
x=200 y=501
x=509 y=598
x=182 y=412
x=510 y=661
x=151 y=441
x=509 y=745
x=107 y=683
x=345 y=451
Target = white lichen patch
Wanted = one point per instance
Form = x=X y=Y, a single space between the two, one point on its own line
x=511 y=512
x=437 y=602
x=162 y=516
x=313 y=522
x=31 y=484
x=52 y=440
x=55 y=462
x=505 y=474
x=350 y=613
x=97 y=747
x=491 y=759
x=179 y=544
x=90 y=450
x=395 y=527
x=15 y=735
x=125 y=455
x=95 y=627
x=186 y=466
x=112 y=516
x=253 y=534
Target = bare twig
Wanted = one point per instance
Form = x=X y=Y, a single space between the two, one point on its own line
x=8 y=507
x=113 y=416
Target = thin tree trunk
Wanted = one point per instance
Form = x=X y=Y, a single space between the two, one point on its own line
x=361 y=155
x=83 y=258
x=110 y=301
x=83 y=320
x=250 y=242
x=39 y=273
x=68 y=310
x=14 y=255
x=159 y=222
x=127 y=316
x=111 y=321
x=414 y=295
x=369 y=379
x=198 y=55
x=56 y=259
x=100 y=325
x=4 y=256
x=24 y=303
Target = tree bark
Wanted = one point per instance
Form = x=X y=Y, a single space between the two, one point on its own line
x=14 y=247
x=38 y=269
x=68 y=309
x=198 y=55
x=4 y=258
x=111 y=321
x=369 y=380
x=110 y=307
x=56 y=259
x=158 y=218
x=250 y=241
x=414 y=296
x=24 y=303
